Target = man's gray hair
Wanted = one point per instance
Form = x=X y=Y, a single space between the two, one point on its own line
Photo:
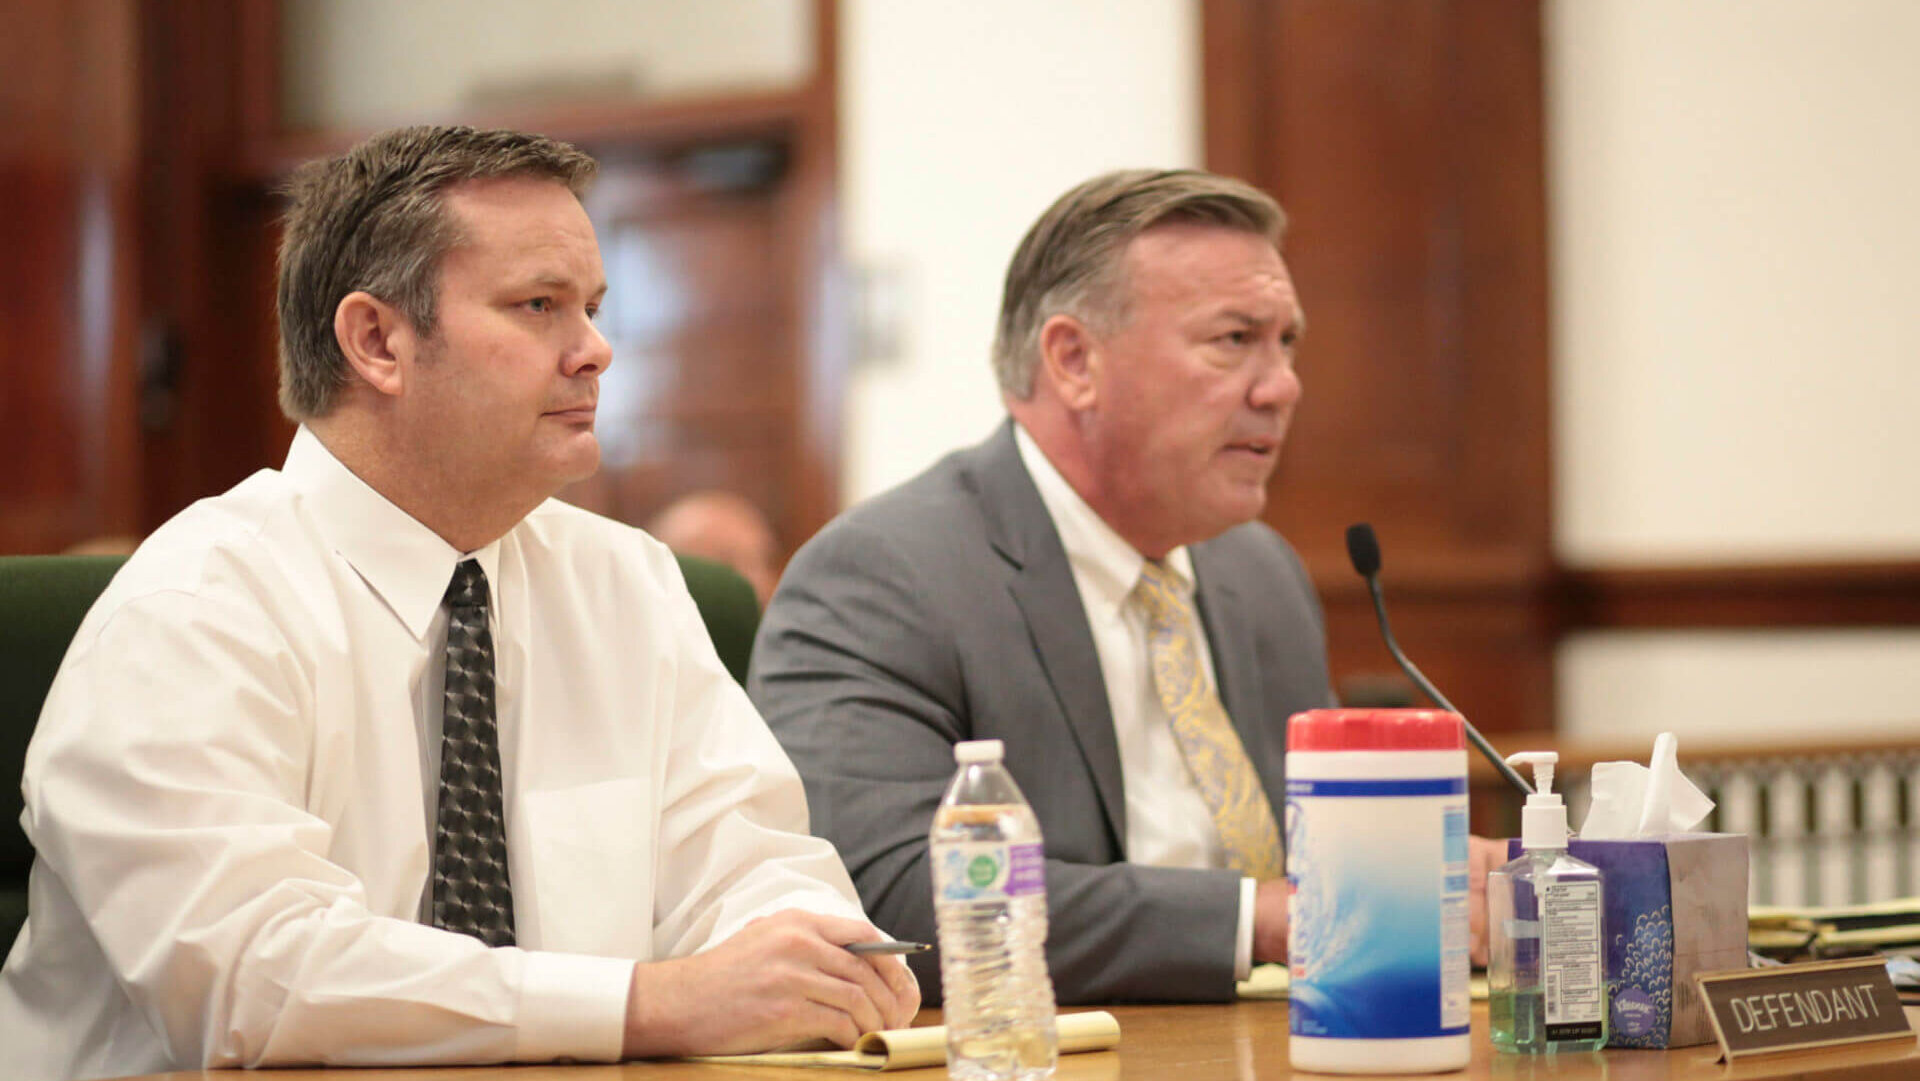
x=375 y=219
x=1072 y=260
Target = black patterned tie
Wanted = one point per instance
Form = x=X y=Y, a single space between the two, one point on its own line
x=471 y=892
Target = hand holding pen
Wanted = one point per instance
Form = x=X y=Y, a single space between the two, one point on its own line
x=867 y=949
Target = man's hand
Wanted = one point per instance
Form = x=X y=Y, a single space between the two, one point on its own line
x=1270 y=921
x=783 y=980
x=1270 y=905
x=1483 y=854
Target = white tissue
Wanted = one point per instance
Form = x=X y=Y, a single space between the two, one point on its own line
x=1631 y=800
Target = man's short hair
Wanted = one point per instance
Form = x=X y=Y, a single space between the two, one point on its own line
x=1071 y=260
x=374 y=219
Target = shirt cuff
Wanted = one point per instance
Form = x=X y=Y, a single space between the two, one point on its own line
x=1243 y=941
x=572 y=1006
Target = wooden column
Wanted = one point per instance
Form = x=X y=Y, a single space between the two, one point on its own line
x=1405 y=139
x=69 y=145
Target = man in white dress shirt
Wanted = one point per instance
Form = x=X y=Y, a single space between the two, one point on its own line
x=389 y=758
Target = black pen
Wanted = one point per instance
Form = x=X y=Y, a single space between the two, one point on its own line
x=864 y=949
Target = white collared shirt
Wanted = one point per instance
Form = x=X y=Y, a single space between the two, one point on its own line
x=227 y=784
x=1168 y=824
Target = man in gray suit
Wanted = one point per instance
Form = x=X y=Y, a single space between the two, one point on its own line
x=1078 y=585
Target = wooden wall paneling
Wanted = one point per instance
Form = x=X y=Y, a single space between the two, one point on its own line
x=1418 y=240
x=209 y=408
x=1809 y=595
x=1236 y=109
x=701 y=313
x=1498 y=136
x=1404 y=138
x=255 y=64
x=69 y=147
x=1489 y=649
x=766 y=424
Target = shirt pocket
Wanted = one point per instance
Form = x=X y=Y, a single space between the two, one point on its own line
x=589 y=854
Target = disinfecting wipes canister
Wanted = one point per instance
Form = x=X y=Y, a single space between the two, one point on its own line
x=1376 y=835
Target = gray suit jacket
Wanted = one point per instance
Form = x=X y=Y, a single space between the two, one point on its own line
x=945 y=610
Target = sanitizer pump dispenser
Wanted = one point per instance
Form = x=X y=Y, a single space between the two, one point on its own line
x=1546 y=973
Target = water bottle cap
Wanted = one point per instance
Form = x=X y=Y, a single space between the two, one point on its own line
x=1375 y=730
x=969 y=752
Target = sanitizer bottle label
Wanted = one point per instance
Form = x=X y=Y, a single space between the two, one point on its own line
x=1570 y=960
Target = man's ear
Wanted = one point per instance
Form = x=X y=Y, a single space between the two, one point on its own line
x=1070 y=360
x=376 y=339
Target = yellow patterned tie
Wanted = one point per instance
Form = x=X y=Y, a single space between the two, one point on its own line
x=1215 y=757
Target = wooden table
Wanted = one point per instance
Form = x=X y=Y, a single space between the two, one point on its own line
x=1241 y=1042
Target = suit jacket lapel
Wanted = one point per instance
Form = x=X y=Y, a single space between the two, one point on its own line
x=1043 y=587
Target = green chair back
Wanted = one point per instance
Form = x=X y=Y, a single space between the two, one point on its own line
x=729 y=608
x=42 y=601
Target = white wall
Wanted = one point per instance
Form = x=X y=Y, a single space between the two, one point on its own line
x=1730 y=687
x=960 y=124
x=358 y=64
x=1736 y=345
x=1735 y=219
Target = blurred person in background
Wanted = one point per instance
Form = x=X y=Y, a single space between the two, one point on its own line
x=727 y=529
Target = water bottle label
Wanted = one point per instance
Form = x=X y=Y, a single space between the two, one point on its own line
x=1377 y=875
x=988 y=871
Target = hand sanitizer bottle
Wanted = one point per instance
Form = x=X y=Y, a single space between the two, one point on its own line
x=1546 y=977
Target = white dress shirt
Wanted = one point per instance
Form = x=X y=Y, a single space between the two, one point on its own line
x=226 y=791
x=1168 y=823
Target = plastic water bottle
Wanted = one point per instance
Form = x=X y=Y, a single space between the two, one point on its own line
x=1376 y=825
x=990 y=899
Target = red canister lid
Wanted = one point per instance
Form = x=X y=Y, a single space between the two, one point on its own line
x=1375 y=730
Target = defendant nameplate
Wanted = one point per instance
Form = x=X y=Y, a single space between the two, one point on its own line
x=1796 y=1007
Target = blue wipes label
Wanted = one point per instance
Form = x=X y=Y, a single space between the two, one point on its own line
x=1377 y=871
x=988 y=871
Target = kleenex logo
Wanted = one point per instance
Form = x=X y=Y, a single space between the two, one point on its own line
x=1634 y=1014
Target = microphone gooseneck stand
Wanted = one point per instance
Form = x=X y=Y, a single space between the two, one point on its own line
x=1363 y=549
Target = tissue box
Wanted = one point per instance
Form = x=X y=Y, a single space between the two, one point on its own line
x=1675 y=905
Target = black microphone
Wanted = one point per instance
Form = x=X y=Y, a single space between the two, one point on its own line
x=1363 y=548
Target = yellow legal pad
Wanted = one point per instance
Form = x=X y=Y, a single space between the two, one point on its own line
x=1272 y=981
x=1835 y=930
x=909 y=1048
